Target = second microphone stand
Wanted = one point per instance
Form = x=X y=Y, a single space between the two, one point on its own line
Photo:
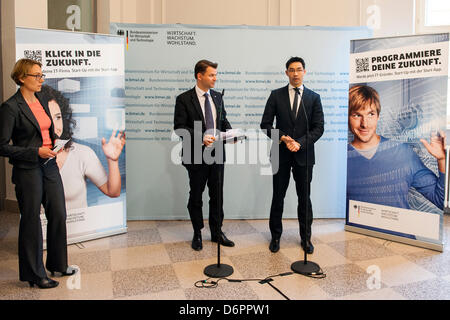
x=306 y=267
x=219 y=270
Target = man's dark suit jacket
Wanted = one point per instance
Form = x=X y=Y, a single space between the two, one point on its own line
x=278 y=106
x=18 y=123
x=187 y=111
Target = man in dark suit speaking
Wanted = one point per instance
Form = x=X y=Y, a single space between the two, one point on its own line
x=289 y=105
x=199 y=114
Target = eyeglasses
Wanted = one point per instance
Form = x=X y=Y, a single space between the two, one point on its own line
x=299 y=70
x=36 y=76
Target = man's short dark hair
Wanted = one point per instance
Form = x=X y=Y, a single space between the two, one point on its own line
x=295 y=59
x=202 y=65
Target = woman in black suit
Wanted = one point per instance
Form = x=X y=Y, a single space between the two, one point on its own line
x=25 y=119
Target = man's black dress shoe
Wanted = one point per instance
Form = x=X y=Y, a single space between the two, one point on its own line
x=223 y=240
x=274 y=245
x=309 y=248
x=197 y=242
x=45 y=283
x=69 y=272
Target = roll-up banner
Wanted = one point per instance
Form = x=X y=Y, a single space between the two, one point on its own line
x=160 y=62
x=85 y=85
x=397 y=157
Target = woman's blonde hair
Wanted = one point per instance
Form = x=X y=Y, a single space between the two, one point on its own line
x=21 y=68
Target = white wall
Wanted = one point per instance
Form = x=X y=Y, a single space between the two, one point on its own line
x=385 y=17
x=237 y=12
x=388 y=18
x=31 y=14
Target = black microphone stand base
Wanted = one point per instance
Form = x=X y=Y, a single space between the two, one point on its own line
x=218 y=270
x=305 y=267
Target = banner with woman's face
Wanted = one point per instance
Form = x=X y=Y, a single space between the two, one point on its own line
x=85 y=88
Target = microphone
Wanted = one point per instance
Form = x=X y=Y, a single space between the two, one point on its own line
x=220 y=111
x=219 y=270
x=306 y=119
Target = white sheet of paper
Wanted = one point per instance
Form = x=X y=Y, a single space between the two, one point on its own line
x=59 y=144
x=231 y=134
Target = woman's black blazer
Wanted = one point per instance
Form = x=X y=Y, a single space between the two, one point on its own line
x=18 y=123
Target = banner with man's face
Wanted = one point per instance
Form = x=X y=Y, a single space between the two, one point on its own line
x=396 y=154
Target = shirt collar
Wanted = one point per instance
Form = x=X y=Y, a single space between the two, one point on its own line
x=200 y=92
x=291 y=87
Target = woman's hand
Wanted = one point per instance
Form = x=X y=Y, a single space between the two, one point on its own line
x=46 y=153
x=113 y=148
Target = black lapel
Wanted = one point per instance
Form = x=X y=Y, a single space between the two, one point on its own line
x=44 y=104
x=26 y=110
x=302 y=104
x=305 y=102
x=218 y=103
x=285 y=97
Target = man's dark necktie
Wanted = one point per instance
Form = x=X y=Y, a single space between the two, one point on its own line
x=209 y=120
x=297 y=93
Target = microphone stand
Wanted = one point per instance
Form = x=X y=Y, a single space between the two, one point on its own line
x=306 y=267
x=219 y=270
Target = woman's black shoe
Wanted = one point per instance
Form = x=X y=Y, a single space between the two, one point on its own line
x=69 y=272
x=45 y=283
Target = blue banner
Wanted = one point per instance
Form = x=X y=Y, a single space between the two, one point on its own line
x=396 y=165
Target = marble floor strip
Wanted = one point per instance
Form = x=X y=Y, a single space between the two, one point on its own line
x=154 y=261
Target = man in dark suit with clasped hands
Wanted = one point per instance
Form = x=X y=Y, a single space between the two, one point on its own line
x=199 y=114
x=300 y=123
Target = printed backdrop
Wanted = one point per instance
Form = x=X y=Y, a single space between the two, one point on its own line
x=87 y=69
x=411 y=76
x=159 y=65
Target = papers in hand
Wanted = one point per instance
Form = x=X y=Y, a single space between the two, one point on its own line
x=59 y=144
x=233 y=135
